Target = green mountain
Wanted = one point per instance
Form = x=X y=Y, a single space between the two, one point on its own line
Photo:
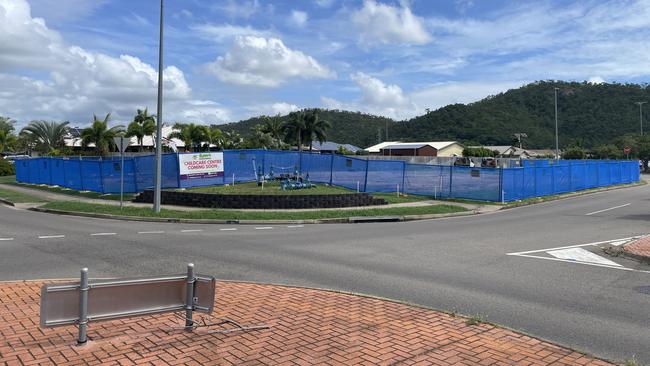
x=588 y=114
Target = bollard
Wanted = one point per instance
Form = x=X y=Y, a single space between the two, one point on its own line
x=83 y=307
x=189 y=299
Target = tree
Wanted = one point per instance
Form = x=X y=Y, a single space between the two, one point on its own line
x=214 y=136
x=143 y=125
x=7 y=125
x=574 y=153
x=273 y=127
x=7 y=141
x=100 y=135
x=191 y=134
x=478 y=152
x=259 y=139
x=294 y=128
x=315 y=128
x=44 y=136
x=232 y=140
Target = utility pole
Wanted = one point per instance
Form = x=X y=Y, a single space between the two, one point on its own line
x=557 y=140
x=387 y=130
x=159 y=119
x=641 y=114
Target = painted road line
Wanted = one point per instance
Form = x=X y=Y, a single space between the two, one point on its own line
x=228 y=229
x=581 y=255
x=264 y=228
x=584 y=263
x=295 y=226
x=607 y=209
x=51 y=236
x=151 y=232
x=191 y=230
x=6 y=239
x=103 y=234
x=576 y=246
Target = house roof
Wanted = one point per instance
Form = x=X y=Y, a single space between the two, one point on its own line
x=438 y=145
x=333 y=146
x=376 y=148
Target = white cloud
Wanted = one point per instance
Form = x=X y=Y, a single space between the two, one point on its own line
x=272 y=109
x=391 y=101
x=63 y=10
x=381 y=23
x=226 y=32
x=265 y=62
x=239 y=9
x=80 y=82
x=596 y=80
x=298 y=18
x=324 y=3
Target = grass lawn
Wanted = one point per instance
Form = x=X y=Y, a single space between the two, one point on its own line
x=19 y=197
x=250 y=215
x=8 y=179
x=72 y=192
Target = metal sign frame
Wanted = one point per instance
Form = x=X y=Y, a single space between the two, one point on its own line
x=83 y=302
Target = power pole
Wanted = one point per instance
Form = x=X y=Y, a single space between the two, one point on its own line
x=557 y=140
x=641 y=114
x=159 y=119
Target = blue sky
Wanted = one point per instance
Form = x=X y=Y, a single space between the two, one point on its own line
x=229 y=60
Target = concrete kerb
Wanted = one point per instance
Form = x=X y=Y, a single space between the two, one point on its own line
x=6 y=202
x=342 y=220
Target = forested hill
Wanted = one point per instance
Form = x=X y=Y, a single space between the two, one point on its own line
x=591 y=114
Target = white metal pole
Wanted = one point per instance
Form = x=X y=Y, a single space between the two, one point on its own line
x=641 y=115
x=121 y=172
x=159 y=119
x=557 y=143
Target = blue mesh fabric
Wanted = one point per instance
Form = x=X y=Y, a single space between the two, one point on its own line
x=476 y=183
x=347 y=172
x=319 y=167
x=427 y=180
x=385 y=176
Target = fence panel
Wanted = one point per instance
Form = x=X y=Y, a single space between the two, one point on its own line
x=513 y=184
x=562 y=177
x=92 y=175
x=146 y=170
x=318 y=167
x=22 y=171
x=282 y=162
x=111 y=174
x=44 y=172
x=57 y=173
x=476 y=183
x=385 y=176
x=348 y=172
x=427 y=180
x=242 y=164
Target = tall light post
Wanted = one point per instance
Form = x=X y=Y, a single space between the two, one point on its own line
x=641 y=114
x=159 y=119
x=557 y=140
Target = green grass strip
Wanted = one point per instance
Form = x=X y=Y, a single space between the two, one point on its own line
x=72 y=192
x=217 y=214
x=19 y=197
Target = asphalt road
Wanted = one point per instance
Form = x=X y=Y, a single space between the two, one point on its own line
x=455 y=264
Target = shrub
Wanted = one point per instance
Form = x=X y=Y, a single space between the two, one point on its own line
x=6 y=168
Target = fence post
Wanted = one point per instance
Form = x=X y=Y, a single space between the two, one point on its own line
x=81 y=173
x=404 y=177
x=178 y=175
x=553 y=171
x=365 y=181
x=83 y=307
x=189 y=298
x=451 y=178
x=50 y=161
x=331 y=169
x=501 y=192
x=101 y=174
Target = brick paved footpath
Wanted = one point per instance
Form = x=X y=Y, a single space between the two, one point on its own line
x=308 y=327
x=640 y=247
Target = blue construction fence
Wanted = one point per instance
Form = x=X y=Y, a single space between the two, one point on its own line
x=535 y=178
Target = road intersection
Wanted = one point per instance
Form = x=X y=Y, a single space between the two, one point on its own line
x=460 y=264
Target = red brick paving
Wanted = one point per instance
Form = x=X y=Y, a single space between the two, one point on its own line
x=307 y=327
x=640 y=247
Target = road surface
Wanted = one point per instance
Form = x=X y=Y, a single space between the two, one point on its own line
x=456 y=264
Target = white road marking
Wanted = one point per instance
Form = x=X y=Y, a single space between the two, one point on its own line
x=576 y=246
x=607 y=209
x=585 y=263
x=191 y=230
x=151 y=232
x=6 y=239
x=581 y=255
x=264 y=228
x=103 y=234
x=294 y=226
x=228 y=229
x=51 y=236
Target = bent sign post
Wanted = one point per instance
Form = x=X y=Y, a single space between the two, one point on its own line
x=84 y=302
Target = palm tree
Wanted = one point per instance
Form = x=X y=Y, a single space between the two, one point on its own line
x=273 y=127
x=45 y=136
x=7 y=124
x=100 y=135
x=294 y=128
x=143 y=125
x=191 y=134
x=214 y=136
x=316 y=128
x=7 y=140
x=232 y=140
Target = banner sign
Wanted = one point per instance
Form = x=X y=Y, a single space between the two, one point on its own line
x=200 y=165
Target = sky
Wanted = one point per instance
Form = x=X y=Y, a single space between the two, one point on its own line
x=228 y=60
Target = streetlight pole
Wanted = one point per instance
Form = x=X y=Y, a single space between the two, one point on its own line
x=159 y=119
x=641 y=114
x=557 y=141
